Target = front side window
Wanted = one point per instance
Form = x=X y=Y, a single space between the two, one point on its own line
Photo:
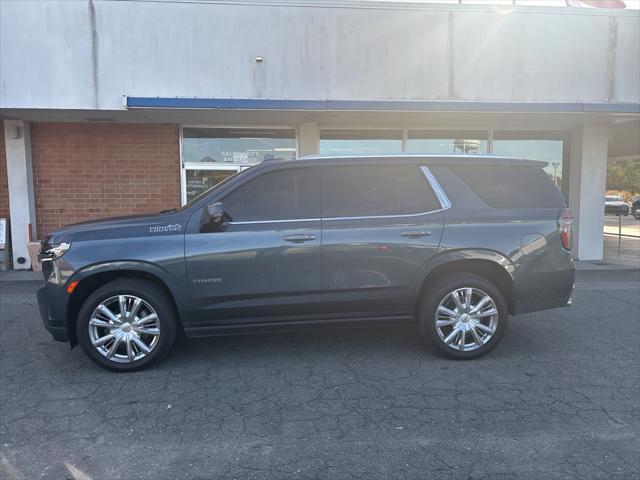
x=373 y=190
x=280 y=195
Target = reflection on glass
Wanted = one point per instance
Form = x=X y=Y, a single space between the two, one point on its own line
x=237 y=146
x=200 y=180
x=549 y=151
x=360 y=142
x=441 y=142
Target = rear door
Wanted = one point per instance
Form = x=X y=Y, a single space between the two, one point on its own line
x=380 y=224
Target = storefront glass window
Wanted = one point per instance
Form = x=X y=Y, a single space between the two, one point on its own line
x=210 y=155
x=549 y=150
x=340 y=142
x=441 y=142
x=237 y=146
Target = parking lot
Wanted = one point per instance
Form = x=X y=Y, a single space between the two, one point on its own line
x=560 y=398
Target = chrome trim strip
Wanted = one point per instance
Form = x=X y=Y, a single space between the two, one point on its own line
x=275 y=221
x=406 y=215
x=435 y=185
x=437 y=188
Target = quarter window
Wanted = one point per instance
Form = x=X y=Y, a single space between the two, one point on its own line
x=510 y=186
x=280 y=195
x=372 y=190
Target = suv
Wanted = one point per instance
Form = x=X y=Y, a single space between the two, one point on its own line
x=455 y=244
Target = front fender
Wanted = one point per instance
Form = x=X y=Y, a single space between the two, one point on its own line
x=135 y=266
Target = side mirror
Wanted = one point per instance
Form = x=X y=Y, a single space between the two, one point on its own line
x=215 y=212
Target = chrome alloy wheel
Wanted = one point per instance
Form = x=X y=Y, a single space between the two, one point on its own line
x=466 y=319
x=124 y=328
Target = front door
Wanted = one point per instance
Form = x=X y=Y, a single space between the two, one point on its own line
x=263 y=262
x=380 y=224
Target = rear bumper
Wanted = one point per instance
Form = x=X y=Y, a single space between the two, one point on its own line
x=544 y=290
x=57 y=330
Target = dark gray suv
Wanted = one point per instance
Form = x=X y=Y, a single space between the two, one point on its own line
x=454 y=244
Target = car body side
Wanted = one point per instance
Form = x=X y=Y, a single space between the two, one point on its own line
x=518 y=250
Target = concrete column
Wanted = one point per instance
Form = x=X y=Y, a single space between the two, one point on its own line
x=588 y=175
x=308 y=139
x=22 y=209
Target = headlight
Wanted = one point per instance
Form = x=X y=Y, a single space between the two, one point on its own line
x=55 y=252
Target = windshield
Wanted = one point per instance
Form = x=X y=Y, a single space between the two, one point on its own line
x=613 y=198
x=207 y=192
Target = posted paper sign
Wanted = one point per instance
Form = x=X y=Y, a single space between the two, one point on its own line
x=3 y=232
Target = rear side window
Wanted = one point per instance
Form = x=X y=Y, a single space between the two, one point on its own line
x=280 y=195
x=371 y=190
x=510 y=186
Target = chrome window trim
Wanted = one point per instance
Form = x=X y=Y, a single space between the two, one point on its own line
x=437 y=188
x=405 y=215
x=402 y=215
x=292 y=220
x=445 y=203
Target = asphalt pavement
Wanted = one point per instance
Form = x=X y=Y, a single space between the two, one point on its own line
x=559 y=398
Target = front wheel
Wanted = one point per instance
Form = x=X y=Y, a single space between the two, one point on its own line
x=126 y=325
x=636 y=212
x=463 y=316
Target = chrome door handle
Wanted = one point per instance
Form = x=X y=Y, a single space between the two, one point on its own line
x=416 y=234
x=299 y=238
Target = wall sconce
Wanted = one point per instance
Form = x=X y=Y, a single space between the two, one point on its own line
x=259 y=59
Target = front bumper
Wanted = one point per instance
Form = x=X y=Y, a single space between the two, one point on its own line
x=57 y=331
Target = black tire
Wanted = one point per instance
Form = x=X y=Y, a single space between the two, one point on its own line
x=636 y=212
x=438 y=292
x=155 y=297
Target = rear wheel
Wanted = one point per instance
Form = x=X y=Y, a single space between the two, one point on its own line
x=463 y=316
x=126 y=325
x=636 y=212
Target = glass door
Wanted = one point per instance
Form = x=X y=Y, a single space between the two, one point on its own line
x=209 y=155
x=201 y=178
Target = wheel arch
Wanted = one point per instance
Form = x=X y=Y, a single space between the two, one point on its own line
x=96 y=276
x=488 y=264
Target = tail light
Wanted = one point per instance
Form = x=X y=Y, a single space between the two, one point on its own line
x=565 y=225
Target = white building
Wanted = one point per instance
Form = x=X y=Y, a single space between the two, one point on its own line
x=114 y=107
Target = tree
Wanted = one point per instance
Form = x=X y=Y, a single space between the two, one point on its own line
x=624 y=175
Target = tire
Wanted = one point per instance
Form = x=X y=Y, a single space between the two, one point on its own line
x=445 y=337
x=636 y=212
x=157 y=334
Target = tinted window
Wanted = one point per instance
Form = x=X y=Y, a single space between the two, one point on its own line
x=370 y=190
x=510 y=186
x=280 y=195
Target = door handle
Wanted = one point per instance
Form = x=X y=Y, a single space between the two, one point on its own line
x=299 y=238
x=416 y=233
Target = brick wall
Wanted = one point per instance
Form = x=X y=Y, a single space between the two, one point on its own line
x=85 y=171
